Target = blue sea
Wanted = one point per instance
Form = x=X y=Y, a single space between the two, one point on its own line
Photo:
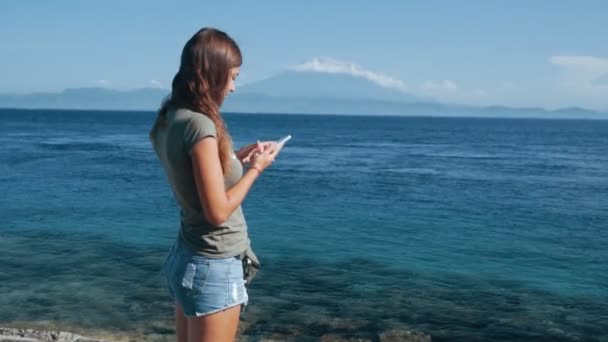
x=367 y=227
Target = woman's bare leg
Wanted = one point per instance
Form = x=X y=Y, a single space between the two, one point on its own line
x=218 y=327
x=181 y=324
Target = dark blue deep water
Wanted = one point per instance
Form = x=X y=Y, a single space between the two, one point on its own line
x=464 y=229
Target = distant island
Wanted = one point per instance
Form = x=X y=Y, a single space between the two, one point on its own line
x=291 y=92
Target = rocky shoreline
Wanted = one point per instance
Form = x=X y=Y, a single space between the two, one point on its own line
x=31 y=335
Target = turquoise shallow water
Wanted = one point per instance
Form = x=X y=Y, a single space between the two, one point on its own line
x=465 y=229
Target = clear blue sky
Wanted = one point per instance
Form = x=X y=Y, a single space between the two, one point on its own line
x=547 y=53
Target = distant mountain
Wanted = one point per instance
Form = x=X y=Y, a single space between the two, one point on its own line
x=258 y=103
x=313 y=85
x=290 y=92
x=88 y=98
x=325 y=93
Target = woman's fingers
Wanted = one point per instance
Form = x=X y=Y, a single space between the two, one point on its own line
x=270 y=145
x=249 y=156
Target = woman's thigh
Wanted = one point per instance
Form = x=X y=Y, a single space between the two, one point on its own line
x=217 y=327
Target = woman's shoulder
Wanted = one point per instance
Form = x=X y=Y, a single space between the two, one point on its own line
x=193 y=118
x=196 y=126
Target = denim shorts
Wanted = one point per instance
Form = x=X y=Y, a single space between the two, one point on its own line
x=201 y=285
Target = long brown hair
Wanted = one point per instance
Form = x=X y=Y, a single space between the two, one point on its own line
x=201 y=81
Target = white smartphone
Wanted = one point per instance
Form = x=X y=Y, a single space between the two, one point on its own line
x=283 y=140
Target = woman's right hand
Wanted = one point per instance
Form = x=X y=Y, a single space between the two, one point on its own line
x=262 y=158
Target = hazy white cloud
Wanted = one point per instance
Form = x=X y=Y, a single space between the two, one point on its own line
x=581 y=62
x=479 y=92
x=584 y=80
x=156 y=84
x=443 y=90
x=103 y=83
x=600 y=81
x=445 y=86
x=450 y=91
x=333 y=66
x=582 y=71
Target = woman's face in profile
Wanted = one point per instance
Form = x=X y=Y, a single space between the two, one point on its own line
x=234 y=73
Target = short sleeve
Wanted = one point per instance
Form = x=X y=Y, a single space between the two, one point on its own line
x=198 y=128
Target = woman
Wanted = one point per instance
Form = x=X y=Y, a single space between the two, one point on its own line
x=204 y=272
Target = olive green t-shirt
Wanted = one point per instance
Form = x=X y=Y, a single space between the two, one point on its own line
x=173 y=144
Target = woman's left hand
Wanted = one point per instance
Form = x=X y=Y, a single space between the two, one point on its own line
x=245 y=154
